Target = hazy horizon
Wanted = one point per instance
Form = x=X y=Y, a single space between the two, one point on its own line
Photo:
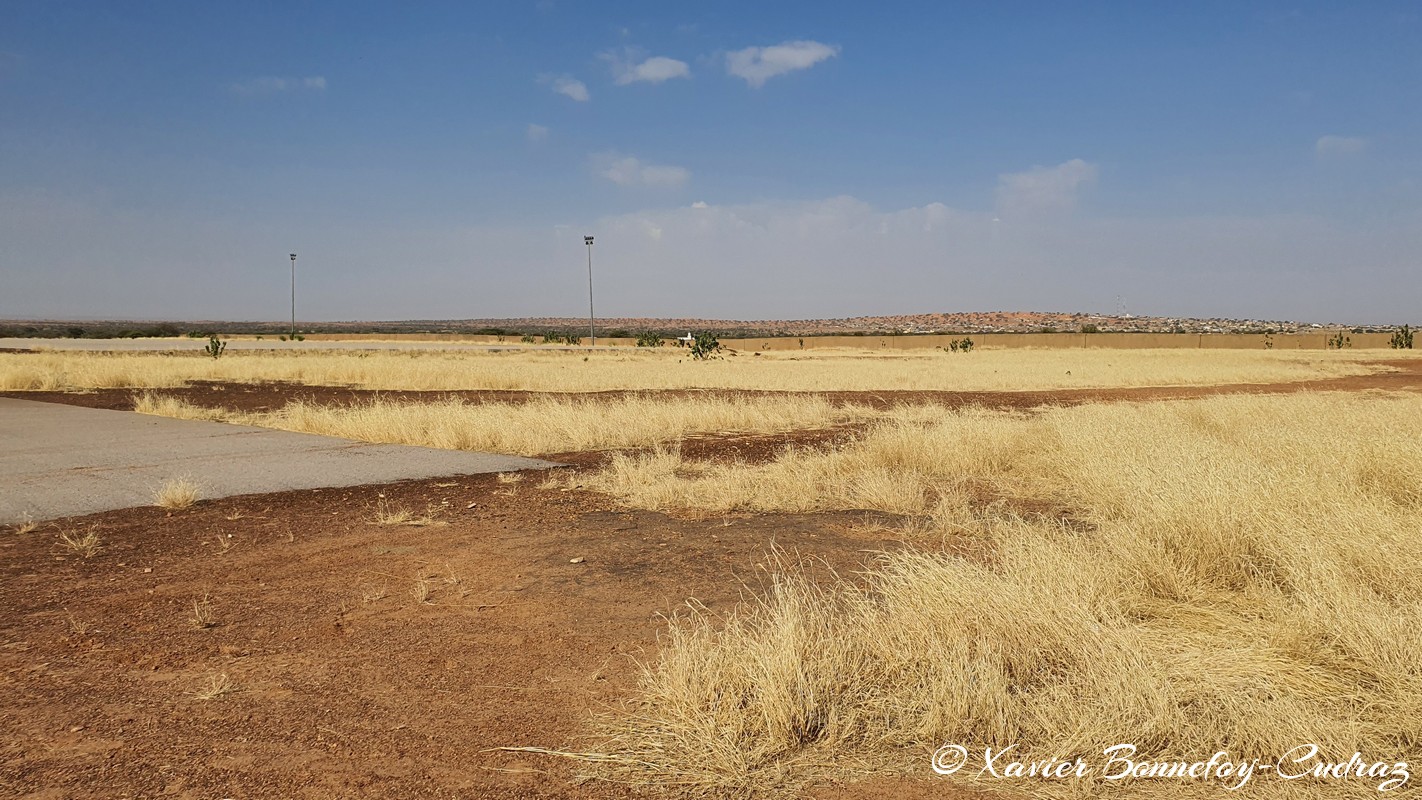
x=734 y=162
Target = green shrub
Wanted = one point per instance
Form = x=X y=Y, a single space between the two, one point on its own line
x=573 y=338
x=528 y=338
x=1402 y=339
x=1338 y=341
x=552 y=338
x=704 y=346
x=215 y=346
x=649 y=339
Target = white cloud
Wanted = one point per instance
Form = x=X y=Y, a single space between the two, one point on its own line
x=535 y=132
x=1044 y=189
x=759 y=64
x=630 y=171
x=567 y=85
x=271 y=85
x=626 y=68
x=1339 y=145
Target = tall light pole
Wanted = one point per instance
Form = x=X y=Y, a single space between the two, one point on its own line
x=592 y=330
x=293 y=297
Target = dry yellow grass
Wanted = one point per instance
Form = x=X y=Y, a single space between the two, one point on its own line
x=543 y=425
x=177 y=494
x=399 y=516
x=1240 y=573
x=85 y=545
x=819 y=370
x=219 y=685
x=203 y=614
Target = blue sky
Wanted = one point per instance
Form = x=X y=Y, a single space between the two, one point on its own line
x=735 y=160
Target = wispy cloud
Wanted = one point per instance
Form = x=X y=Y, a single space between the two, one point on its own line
x=1339 y=145
x=630 y=171
x=628 y=66
x=568 y=86
x=272 y=85
x=1044 y=189
x=759 y=64
x=535 y=132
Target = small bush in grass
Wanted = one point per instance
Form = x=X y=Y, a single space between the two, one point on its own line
x=704 y=346
x=1402 y=339
x=649 y=339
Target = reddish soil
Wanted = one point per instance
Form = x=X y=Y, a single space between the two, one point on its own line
x=347 y=683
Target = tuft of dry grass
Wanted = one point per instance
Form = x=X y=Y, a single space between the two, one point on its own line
x=85 y=545
x=76 y=626
x=216 y=686
x=423 y=590
x=176 y=494
x=203 y=614
x=1237 y=573
x=509 y=477
x=399 y=516
x=28 y=525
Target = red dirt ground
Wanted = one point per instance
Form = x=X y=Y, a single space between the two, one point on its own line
x=348 y=685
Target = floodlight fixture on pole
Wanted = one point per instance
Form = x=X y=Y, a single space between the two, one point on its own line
x=293 y=297
x=592 y=329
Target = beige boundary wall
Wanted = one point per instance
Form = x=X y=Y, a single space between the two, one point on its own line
x=1124 y=341
x=1120 y=341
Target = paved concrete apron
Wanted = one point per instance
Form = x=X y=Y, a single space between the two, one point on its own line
x=60 y=461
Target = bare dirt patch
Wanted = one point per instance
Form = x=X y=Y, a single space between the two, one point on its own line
x=353 y=658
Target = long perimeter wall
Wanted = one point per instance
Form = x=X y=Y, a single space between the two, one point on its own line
x=1127 y=341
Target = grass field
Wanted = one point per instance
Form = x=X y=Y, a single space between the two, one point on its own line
x=1237 y=572
x=571 y=371
x=541 y=426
